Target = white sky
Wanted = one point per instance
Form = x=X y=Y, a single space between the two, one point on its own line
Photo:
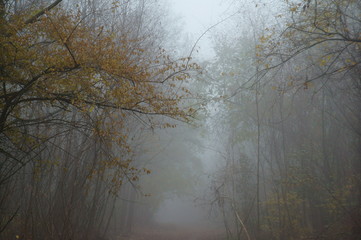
x=198 y=16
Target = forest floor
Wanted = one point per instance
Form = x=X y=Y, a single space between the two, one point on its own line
x=175 y=233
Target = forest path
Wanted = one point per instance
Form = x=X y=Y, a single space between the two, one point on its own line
x=175 y=233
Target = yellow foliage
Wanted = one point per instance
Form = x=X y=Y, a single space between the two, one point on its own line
x=57 y=60
x=59 y=65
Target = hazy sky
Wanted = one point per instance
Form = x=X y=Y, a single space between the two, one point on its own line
x=198 y=16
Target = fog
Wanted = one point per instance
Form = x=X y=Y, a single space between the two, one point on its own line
x=180 y=120
x=180 y=212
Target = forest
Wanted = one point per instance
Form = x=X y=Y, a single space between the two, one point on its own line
x=113 y=126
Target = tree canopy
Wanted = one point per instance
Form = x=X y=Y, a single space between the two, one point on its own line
x=53 y=64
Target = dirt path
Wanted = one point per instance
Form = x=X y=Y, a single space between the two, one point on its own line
x=175 y=233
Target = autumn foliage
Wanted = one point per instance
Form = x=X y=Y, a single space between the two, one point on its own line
x=57 y=64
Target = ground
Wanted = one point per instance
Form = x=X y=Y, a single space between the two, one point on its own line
x=175 y=233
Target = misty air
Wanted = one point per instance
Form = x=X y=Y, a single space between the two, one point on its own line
x=180 y=120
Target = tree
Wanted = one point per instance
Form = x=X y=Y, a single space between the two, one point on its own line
x=53 y=65
x=308 y=101
x=70 y=90
x=326 y=31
